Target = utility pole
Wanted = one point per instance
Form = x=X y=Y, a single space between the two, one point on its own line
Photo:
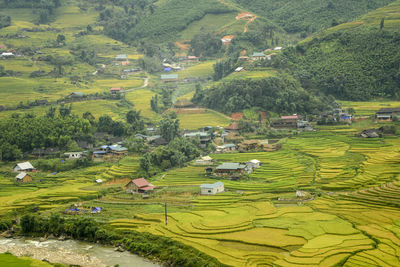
x=166 y=220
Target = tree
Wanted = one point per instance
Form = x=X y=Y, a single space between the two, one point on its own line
x=60 y=39
x=51 y=112
x=135 y=120
x=169 y=129
x=65 y=110
x=382 y=23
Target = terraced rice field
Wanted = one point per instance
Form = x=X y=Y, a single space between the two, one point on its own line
x=355 y=181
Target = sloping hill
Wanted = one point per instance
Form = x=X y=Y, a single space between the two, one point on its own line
x=311 y=15
x=357 y=61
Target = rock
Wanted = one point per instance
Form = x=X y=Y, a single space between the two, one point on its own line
x=51 y=236
x=119 y=249
x=42 y=239
x=62 y=238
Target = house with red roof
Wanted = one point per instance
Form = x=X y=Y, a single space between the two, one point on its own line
x=140 y=185
x=116 y=90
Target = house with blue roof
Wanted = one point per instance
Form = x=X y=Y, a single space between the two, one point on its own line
x=212 y=189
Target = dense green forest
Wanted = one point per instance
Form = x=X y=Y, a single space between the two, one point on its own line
x=357 y=64
x=311 y=15
x=281 y=95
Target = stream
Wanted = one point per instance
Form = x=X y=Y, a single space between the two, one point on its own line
x=72 y=252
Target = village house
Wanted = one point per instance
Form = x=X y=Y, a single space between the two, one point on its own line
x=116 y=90
x=141 y=186
x=23 y=177
x=285 y=122
x=156 y=140
x=169 y=78
x=249 y=145
x=258 y=56
x=278 y=48
x=226 y=148
x=110 y=151
x=24 y=167
x=73 y=155
x=230 y=168
x=387 y=114
x=234 y=127
x=204 y=138
x=99 y=181
x=212 y=189
x=207 y=160
x=253 y=164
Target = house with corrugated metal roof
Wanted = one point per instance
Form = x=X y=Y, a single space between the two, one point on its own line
x=212 y=189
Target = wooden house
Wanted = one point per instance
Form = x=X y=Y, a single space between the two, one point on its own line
x=140 y=185
x=228 y=168
x=204 y=138
x=258 y=56
x=285 y=122
x=387 y=114
x=226 y=148
x=24 y=167
x=23 y=177
x=212 y=189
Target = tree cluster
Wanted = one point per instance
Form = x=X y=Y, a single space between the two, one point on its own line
x=281 y=95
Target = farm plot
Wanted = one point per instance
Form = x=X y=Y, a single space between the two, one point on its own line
x=257 y=233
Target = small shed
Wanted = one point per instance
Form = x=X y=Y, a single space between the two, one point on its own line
x=254 y=164
x=24 y=167
x=99 y=181
x=23 y=177
x=212 y=189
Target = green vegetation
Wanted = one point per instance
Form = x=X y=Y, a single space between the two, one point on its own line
x=310 y=16
x=353 y=61
x=173 y=16
x=277 y=94
x=13 y=261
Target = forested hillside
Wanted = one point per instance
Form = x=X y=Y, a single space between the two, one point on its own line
x=311 y=15
x=278 y=94
x=356 y=61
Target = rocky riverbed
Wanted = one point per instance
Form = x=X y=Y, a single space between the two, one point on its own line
x=72 y=253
